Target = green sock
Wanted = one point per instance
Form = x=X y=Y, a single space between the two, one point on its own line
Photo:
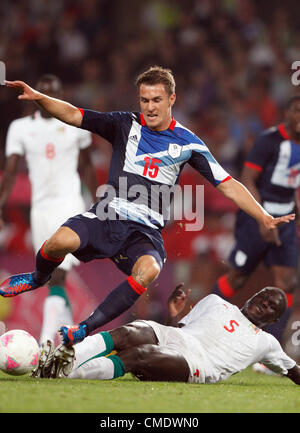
x=59 y=291
x=119 y=368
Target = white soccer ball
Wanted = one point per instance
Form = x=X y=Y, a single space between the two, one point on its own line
x=19 y=352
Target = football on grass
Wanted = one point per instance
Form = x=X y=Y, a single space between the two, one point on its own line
x=19 y=352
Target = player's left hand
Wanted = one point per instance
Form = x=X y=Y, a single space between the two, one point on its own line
x=177 y=300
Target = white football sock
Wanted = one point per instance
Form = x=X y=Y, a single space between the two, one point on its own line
x=98 y=368
x=55 y=314
x=88 y=348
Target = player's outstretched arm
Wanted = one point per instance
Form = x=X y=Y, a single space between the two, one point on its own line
x=57 y=108
x=240 y=195
x=294 y=374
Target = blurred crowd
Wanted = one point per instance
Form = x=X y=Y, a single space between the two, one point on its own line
x=231 y=60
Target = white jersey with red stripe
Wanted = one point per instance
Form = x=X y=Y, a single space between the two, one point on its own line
x=51 y=149
x=226 y=342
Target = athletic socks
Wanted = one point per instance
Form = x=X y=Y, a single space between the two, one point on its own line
x=223 y=288
x=45 y=265
x=116 y=303
x=91 y=347
x=103 y=368
x=94 y=359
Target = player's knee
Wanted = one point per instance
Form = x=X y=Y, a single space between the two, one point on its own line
x=145 y=270
x=62 y=242
x=126 y=336
x=133 y=334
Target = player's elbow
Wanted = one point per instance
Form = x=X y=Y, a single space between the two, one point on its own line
x=229 y=188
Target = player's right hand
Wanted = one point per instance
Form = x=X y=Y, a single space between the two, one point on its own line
x=27 y=93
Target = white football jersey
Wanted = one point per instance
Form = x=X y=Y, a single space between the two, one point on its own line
x=227 y=342
x=51 y=149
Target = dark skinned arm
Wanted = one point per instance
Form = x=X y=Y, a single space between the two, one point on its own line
x=87 y=172
x=8 y=180
x=176 y=304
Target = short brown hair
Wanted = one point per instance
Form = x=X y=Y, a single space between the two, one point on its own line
x=157 y=75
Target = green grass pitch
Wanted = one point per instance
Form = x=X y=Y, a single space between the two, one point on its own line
x=246 y=392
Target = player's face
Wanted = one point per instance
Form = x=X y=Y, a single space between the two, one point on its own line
x=156 y=106
x=264 y=307
x=293 y=117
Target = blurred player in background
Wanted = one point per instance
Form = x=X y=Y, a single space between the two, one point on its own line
x=150 y=148
x=272 y=174
x=54 y=152
x=213 y=341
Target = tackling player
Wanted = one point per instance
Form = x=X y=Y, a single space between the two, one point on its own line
x=53 y=151
x=272 y=174
x=150 y=149
x=212 y=342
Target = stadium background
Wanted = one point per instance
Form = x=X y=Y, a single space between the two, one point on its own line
x=232 y=63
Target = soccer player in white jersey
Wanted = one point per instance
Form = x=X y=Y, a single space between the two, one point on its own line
x=52 y=151
x=212 y=342
x=150 y=148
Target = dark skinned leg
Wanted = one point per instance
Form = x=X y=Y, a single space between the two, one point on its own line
x=229 y=283
x=131 y=335
x=150 y=362
x=136 y=344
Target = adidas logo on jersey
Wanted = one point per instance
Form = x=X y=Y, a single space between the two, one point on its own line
x=133 y=137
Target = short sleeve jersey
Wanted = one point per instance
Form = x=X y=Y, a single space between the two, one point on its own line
x=277 y=158
x=144 y=163
x=229 y=342
x=51 y=149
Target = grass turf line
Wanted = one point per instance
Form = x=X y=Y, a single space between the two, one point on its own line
x=245 y=392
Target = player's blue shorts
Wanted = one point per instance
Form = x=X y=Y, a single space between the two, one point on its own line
x=250 y=248
x=122 y=241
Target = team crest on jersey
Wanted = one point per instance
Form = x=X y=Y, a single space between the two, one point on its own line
x=174 y=150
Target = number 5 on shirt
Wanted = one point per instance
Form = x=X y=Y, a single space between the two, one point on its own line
x=231 y=328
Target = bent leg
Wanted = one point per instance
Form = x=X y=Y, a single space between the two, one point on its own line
x=146 y=362
x=155 y=363
x=144 y=271
x=121 y=338
x=53 y=252
x=133 y=334
x=228 y=284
